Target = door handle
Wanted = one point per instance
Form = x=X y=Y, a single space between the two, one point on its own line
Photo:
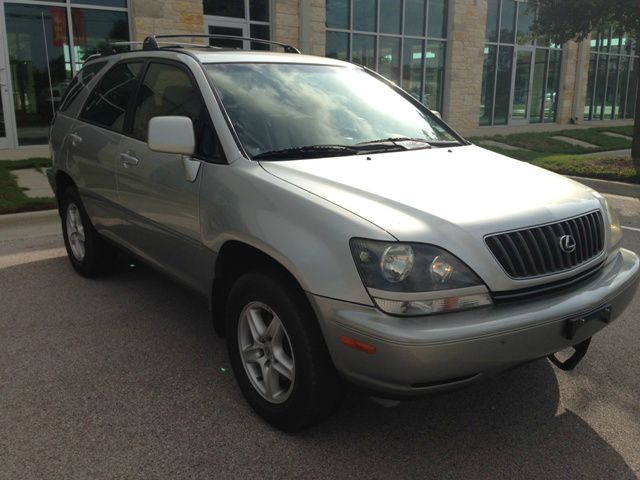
x=75 y=139
x=128 y=160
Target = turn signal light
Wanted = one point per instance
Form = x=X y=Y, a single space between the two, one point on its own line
x=358 y=345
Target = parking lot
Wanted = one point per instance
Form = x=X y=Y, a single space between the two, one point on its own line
x=123 y=377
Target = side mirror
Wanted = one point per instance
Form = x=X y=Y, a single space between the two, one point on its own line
x=171 y=135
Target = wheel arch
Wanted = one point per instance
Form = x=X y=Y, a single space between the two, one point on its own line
x=63 y=182
x=235 y=258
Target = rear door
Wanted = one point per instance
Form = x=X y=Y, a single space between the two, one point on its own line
x=159 y=201
x=93 y=142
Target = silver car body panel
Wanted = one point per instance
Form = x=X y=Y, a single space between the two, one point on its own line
x=303 y=214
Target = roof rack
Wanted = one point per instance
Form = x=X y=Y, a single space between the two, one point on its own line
x=151 y=42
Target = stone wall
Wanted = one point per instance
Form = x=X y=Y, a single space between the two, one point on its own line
x=464 y=63
x=170 y=16
x=286 y=21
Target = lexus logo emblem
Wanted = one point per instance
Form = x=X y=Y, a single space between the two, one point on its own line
x=567 y=244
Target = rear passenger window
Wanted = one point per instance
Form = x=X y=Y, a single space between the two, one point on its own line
x=107 y=105
x=169 y=90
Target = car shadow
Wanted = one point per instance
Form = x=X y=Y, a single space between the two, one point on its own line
x=136 y=358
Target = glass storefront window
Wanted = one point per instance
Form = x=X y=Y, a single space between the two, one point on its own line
x=389 y=58
x=38 y=42
x=488 y=84
x=414 y=17
x=337 y=45
x=364 y=15
x=259 y=10
x=41 y=60
x=611 y=88
x=410 y=54
x=94 y=30
x=233 y=9
x=338 y=14
x=390 y=16
x=521 y=74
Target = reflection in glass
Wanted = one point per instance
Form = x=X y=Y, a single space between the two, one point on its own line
x=493 y=12
x=338 y=14
x=434 y=74
x=437 y=26
x=390 y=16
x=610 y=97
x=412 y=66
x=103 y=3
x=389 y=58
x=503 y=85
x=224 y=9
x=337 y=45
x=259 y=10
x=488 y=83
x=259 y=31
x=633 y=90
x=538 y=97
x=622 y=86
x=553 y=86
x=591 y=81
x=3 y=130
x=414 y=17
x=526 y=17
x=508 y=21
x=94 y=30
x=33 y=55
x=601 y=78
x=226 y=42
x=364 y=15
x=304 y=105
x=520 y=107
x=364 y=50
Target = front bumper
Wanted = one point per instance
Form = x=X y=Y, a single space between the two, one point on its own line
x=419 y=355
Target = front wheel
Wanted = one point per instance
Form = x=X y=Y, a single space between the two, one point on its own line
x=278 y=353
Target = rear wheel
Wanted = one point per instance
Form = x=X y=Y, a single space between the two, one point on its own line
x=89 y=254
x=278 y=352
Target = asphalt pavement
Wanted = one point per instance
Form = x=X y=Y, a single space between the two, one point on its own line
x=123 y=377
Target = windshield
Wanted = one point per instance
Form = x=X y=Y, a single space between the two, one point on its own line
x=278 y=108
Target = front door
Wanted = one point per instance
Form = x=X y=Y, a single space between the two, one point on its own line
x=521 y=85
x=230 y=27
x=158 y=200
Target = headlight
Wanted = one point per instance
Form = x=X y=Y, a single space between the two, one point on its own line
x=614 y=227
x=416 y=279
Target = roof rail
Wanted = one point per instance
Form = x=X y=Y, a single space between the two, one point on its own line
x=151 y=42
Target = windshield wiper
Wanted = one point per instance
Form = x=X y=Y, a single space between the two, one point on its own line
x=394 y=143
x=311 y=151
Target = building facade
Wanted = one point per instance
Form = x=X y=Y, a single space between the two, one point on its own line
x=475 y=61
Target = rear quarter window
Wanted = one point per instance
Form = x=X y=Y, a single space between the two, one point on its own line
x=79 y=88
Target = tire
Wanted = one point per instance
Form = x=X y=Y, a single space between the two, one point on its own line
x=310 y=389
x=88 y=253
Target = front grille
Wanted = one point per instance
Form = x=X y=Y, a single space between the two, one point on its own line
x=536 y=251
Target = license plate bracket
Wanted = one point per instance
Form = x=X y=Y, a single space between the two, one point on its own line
x=572 y=326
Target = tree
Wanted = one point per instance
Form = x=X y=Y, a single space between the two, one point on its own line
x=564 y=20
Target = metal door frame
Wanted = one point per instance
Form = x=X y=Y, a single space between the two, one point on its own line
x=531 y=49
x=10 y=140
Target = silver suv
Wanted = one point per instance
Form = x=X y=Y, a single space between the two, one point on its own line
x=339 y=230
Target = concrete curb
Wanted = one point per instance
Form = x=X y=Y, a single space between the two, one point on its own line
x=17 y=226
x=610 y=187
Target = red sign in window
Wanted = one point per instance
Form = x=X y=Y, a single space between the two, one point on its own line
x=58 y=26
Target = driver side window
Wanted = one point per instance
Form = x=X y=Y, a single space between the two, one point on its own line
x=168 y=90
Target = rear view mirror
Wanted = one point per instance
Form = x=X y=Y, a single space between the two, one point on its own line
x=171 y=135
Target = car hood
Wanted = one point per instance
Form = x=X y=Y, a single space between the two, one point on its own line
x=419 y=194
